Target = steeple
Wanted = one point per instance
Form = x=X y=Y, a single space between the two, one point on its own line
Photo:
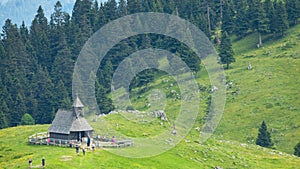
x=176 y=11
x=78 y=107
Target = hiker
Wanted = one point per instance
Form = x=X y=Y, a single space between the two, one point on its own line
x=43 y=162
x=30 y=163
x=77 y=149
x=83 y=151
x=113 y=140
x=88 y=143
x=93 y=147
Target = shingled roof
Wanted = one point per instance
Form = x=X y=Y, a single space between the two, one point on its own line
x=65 y=122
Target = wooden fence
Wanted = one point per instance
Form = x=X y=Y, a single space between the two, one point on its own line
x=43 y=139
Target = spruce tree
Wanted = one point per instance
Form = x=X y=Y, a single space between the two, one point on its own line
x=104 y=102
x=270 y=13
x=134 y=6
x=122 y=9
x=39 y=38
x=111 y=10
x=293 y=10
x=225 y=50
x=297 y=150
x=242 y=23
x=259 y=19
x=264 y=137
x=44 y=95
x=228 y=17
x=3 y=120
x=281 y=19
x=82 y=25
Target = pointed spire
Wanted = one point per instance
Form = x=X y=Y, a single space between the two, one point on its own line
x=77 y=103
x=176 y=11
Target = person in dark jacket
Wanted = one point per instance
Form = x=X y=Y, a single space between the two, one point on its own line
x=77 y=150
x=30 y=163
x=43 y=162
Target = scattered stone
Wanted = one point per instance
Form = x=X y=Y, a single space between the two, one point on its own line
x=243 y=145
x=229 y=84
x=214 y=89
x=66 y=158
x=249 y=66
x=160 y=114
x=218 y=167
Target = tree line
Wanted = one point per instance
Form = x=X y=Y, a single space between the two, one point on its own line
x=36 y=61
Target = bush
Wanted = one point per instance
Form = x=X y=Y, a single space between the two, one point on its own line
x=27 y=120
x=297 y=150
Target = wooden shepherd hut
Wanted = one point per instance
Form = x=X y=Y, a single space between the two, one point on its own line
x=70 y=125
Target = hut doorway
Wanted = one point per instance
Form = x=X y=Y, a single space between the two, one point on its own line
x=80 y=135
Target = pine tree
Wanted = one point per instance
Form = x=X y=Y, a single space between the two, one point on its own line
x=281 y=19
x=82 y=26
x=44 y=96
x=134 y=6
x=3 y=108
x=297 y=150
x=241 y=20
x=169 y=6
x=39 y=38
x=111 y=10
x=264 y=137
x=3 y=120
x=59 y=17
x=122 y=8
x=259 y=20
x=293 y=10
x=94 y=16
x=58 y=28
x=225 y=50
x=270 y=13
x=104 y=103
x=62 y=67
x=228 y=16
x=61 y=96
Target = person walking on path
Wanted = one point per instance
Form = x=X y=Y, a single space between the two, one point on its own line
x=43 y=162
x=30 y=163
x=83 y=151
x=77 y=150
x=93 y=147
x=113 y=140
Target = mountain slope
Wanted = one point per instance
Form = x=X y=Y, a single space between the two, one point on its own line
x=268 y=92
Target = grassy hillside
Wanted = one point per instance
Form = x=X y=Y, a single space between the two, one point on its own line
x=15 y=152
x=270 y=91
